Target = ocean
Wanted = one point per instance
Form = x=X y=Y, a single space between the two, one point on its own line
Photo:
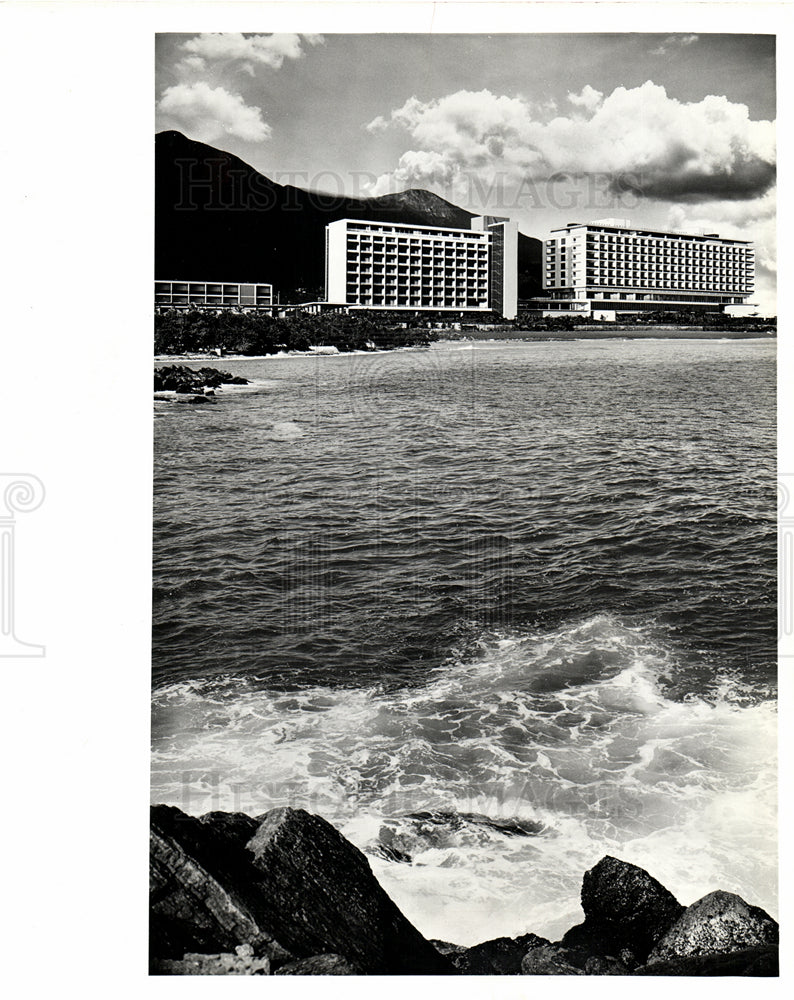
x=494 y=610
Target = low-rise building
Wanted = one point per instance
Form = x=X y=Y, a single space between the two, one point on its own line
x=185 y=295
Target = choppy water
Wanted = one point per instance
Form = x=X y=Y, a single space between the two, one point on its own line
x=494 y=610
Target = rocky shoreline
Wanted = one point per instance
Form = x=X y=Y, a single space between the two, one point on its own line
x=181 y=384
x=286 y=894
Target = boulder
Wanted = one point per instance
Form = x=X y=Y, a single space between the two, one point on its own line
x=242 y=963
x=288 y=884
x=180 y=398
x=719 y=923
x=319 y=965
x=549 y=960
x=749 y=962
x=498 y=957
x=601 y=965
x=624 y=907
x=201 y=897
x=323 y=898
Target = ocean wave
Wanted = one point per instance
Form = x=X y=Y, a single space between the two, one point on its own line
x=482 y=794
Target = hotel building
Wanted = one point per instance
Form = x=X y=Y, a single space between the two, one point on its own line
x=380 y=265
x=607 y=268
x=212 y=294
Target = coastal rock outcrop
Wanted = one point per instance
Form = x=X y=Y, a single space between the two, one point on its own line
x=498 y=957
x=201 y=896
x=549 y=960
x=719 y=923
x=319 y=965
x=242 y=963
x=181 y=379
x=748 y=962
x=624 y=907
x=286 y=894
x=287 y=884
x=325 y=899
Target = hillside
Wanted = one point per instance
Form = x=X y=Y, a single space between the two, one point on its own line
x=218 y=219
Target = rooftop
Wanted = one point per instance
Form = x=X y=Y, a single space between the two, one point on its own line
x=624 y=226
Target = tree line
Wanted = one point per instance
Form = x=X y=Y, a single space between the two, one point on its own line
x=178 y=332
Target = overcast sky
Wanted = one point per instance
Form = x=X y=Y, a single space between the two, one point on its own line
x=675 y=131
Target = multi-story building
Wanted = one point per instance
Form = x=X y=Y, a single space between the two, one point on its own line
x=607 y=268
x=384 y=265
x=212 y=294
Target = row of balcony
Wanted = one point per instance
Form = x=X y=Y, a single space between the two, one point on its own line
x=353 y=257
x=681 y=258
x=419 y=303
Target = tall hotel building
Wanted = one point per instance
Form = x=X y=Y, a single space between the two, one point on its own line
x=607 y=267
x=384 y=265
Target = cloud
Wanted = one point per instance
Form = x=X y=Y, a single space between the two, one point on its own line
x=209 y=113
x=745 y=220
x=638 y=138
x=673 y=42
x=589 y=98
x=248 y=51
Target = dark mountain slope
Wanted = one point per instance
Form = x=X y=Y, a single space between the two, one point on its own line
x=218 y=219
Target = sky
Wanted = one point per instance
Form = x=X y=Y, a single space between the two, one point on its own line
x=673 y=131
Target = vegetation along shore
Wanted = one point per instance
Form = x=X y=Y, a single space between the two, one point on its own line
x=256 y=334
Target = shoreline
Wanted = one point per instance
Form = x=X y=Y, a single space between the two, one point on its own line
x=286 y=893
x=524 y=337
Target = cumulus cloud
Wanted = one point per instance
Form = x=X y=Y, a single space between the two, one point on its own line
x=753 y=220
x=649 y=143
x=673 y=42
x=248 y=51
x=589 y=98
x=209 y=113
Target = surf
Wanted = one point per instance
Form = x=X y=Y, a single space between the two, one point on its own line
x=482 y=794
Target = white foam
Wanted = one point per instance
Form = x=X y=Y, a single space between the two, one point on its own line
x=570 y=730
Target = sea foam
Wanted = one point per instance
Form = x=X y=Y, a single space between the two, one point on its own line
x=482 y=795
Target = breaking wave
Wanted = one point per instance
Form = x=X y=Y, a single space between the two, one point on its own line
x=482 y=795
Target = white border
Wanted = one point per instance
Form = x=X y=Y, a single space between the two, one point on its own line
x=77 y=156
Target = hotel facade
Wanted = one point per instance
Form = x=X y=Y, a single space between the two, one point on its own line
x=607 y=268
x=380 y=265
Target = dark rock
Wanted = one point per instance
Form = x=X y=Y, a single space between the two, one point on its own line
x=393 y=854
x=549 y=960
x=180 y=378
x=319 y=965
x=750 y=962
x=719 y=923
x=499 y=957
x=201 y=893
x=324 y=898
x=601 y=965
x=290 y=885
x=243 y=963
x=624 y=907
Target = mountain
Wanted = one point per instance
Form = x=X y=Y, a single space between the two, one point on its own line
x=218 y=219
